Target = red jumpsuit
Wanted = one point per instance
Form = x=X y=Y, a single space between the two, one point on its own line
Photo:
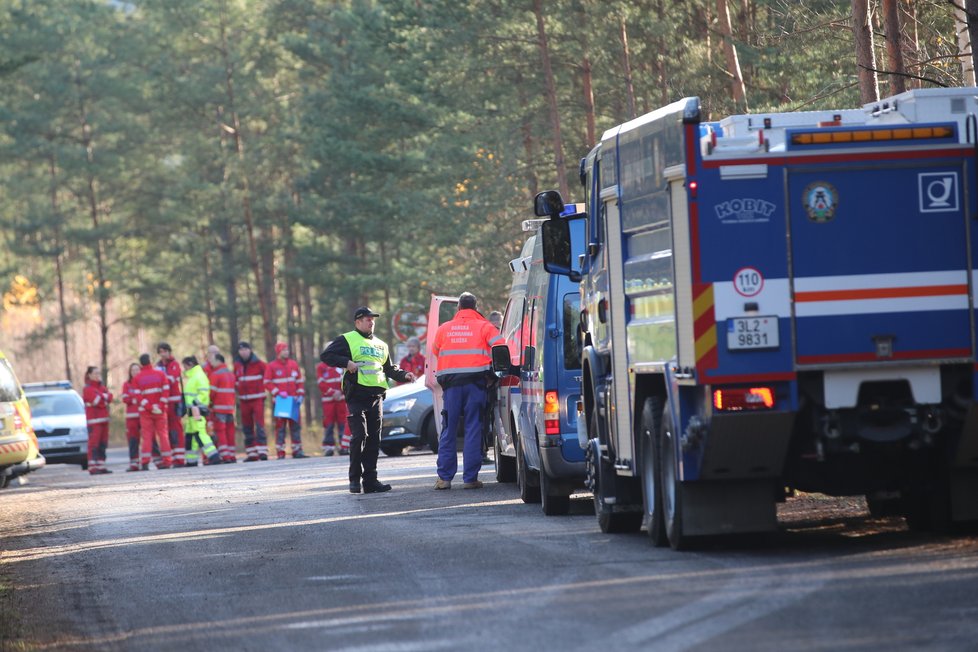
x=222 y=406
x=130 y=398
x=174 y=423
x=284 y=378
x=330 y=381
x=154 y=390
x=250 y=375
x=414 y=364
x=97 y=398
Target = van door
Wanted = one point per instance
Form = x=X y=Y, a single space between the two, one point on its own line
x=440 y=310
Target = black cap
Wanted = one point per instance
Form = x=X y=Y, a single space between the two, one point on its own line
x=364 y=311
x=244 y=345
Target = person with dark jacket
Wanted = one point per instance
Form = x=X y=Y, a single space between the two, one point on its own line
x=367 y=361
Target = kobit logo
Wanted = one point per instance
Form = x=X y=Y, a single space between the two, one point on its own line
x=744 y=211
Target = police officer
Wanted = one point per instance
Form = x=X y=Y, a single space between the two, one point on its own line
x=367 y=361
x=462 y=348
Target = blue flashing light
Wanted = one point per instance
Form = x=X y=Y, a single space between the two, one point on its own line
x=572 y=209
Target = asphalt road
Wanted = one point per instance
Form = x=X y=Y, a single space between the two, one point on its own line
x=279 y=556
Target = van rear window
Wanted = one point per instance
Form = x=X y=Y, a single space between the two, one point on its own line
x=572 y=322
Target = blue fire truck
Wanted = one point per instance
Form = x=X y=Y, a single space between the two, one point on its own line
x=779 y=300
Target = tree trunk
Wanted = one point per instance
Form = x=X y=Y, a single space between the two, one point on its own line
x=58 y=269
x=91 y=186
x=627 y=67
x=738 y=88
x=911 y=41
x=862 y=29
x=588 y=90
x=894 y=46
x=203 y=241
x=660 y=60
x=551 y=99
x=266 y=291
x=526 y=131
x=971 y=9
x=226 y=245
x=264 y=303
x=308 y=345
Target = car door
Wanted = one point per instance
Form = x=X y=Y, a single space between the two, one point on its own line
x=441 y=309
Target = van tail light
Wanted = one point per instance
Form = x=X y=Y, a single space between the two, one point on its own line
x=743 y=398
x=18 y=421
x=551 y=412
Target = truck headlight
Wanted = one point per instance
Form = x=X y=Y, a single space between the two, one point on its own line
x=78 y=432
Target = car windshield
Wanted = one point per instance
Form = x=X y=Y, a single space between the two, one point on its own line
x=46 y=405
x=9 y=390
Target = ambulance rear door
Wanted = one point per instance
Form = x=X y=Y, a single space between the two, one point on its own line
x=441 y=309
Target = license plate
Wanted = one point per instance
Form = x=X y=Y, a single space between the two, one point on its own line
x=752 y=333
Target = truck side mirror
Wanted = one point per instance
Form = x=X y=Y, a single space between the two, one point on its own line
x=529 y=358
x=500 y=359
x=548 y=203
x=557 y=248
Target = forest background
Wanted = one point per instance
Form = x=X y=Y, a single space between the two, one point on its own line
x=205 y=171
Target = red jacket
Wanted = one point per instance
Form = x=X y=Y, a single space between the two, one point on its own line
x=330 y=380
x=413 y=363
x=222 y=389
x=284 y=377
x=462 y=348
x=153 y=388
x=173 y=376
x=97 y=398
x=130 y=397
x=250 y=375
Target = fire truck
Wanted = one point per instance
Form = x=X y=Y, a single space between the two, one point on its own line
x=777 y=301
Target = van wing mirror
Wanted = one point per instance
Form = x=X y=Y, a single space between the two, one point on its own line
x=548 y=203
x=500 y=359
x=557 y=253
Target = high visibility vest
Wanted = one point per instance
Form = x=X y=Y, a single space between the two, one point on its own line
x=463 y=345
x=196 y=390
x=370 y=355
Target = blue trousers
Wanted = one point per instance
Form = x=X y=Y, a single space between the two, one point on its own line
x=462 y=402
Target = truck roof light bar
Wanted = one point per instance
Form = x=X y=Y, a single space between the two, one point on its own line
x=872 y=135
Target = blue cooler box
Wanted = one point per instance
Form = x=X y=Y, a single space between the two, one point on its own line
x=286 y=407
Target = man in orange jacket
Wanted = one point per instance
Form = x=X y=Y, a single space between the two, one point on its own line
x=462 y=348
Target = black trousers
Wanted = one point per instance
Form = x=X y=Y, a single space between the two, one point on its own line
x=365 y=420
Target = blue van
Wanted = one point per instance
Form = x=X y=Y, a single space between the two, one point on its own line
x=536 y=420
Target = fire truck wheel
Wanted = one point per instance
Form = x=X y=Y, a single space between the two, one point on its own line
x=528 y=484
x=672 y=488
x=651 y=473
x=601 y=477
